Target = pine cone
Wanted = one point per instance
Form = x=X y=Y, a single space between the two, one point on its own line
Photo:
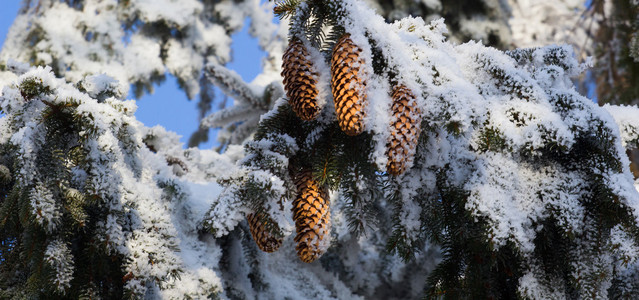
x=264 y=239
x=348 y=86
x=404 y=130
x=299 y=81
x=312 y=217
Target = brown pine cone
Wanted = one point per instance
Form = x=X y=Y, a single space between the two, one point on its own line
x=264 y=239
x=348 y=86
x=405 y=130
x=299 y=81
x=312 y=217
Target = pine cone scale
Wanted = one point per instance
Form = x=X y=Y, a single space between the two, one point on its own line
x=312 y=217
x=404 y=130
x=300 y=81
x=264 y=239
x=348 y=86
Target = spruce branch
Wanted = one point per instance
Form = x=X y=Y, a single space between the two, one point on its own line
x=285 y=8
x=232 y=84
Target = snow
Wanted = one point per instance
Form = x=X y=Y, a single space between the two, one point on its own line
x=45 y=209
x=127 y=178
x=172 y=11
x=94 y=40
x=490 y=120
x=521 y=96
x=433 y=4
x=536 y=23
x=626 y=117
x=251 y=102
x=531 y=286
x=58 y=256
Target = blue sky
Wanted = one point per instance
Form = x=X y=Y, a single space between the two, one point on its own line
x=168 y=105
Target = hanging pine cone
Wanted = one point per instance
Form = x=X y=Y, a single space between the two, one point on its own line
x=404 y=130
x=312 y=218
x=348 y=86
x=264 y=239
x=299 y=81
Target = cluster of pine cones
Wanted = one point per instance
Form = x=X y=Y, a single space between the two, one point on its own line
x=312 y=217
x=348 y=83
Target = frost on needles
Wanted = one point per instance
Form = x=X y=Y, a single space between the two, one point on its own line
x=86 y=207
x=139 y=42
x=522 y=182
x=517 y=186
